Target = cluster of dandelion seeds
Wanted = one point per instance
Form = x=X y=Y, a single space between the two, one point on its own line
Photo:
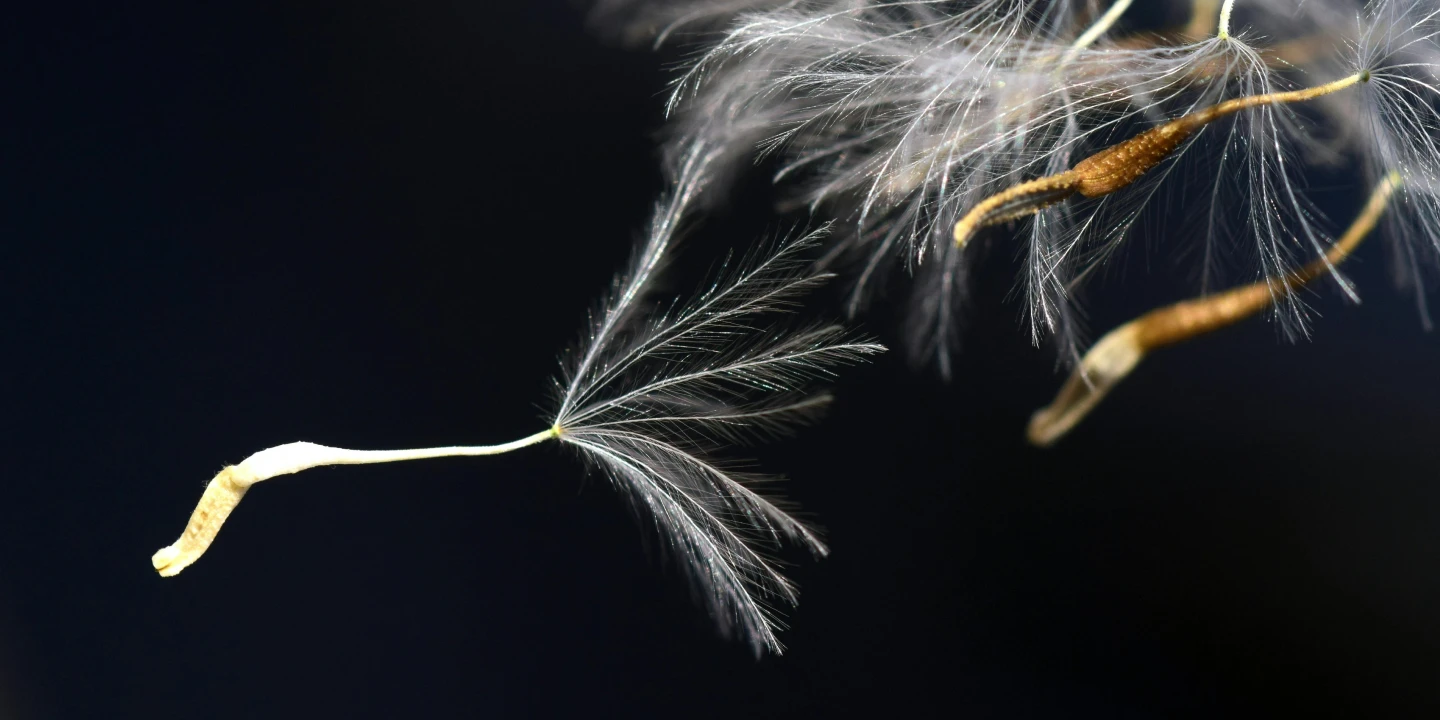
x=916 y=133
x=649 y=397
x=922 y=128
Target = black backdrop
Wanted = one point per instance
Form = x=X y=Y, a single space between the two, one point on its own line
x=372 y=225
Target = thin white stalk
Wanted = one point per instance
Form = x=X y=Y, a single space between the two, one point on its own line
x=224 y=493
x=297 y=456
x=1100 y=27
x=1224 y=33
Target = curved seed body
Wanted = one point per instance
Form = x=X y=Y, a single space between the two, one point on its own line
x=1118 y=166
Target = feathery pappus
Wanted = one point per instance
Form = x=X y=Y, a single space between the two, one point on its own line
x=652 y=396
x=923 y=128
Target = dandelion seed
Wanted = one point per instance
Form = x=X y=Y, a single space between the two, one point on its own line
x=647 y=398
x=916 y=125
x=228 y=488
x=1120 y=165
x=1118 y=353
x=899 y=116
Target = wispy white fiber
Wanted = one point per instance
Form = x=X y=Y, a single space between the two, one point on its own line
x=655 y=21
x=898 y=117
x=1400 y=111
x=895 y=118
x=650 y=396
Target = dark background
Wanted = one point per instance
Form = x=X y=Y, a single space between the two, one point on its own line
x=375 y=225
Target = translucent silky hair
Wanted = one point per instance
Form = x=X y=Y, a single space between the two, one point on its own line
x=651 y=396
x=921 y=128
x=913 y=131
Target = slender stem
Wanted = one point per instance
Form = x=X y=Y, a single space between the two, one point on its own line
x=1224 y=33
x=1100 y=27
x=1230 y=107
x=294 y=457
x=224 y=493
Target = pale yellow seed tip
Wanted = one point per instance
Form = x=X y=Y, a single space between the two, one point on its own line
x=219 y=500
x=1107 y=363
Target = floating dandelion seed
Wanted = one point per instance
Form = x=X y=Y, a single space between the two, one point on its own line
x=898 y=116
x=1398 y=63
x=914 y=128
x=901 y=117
x=647 y=398
x=918 y=126
x=1118 y=353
